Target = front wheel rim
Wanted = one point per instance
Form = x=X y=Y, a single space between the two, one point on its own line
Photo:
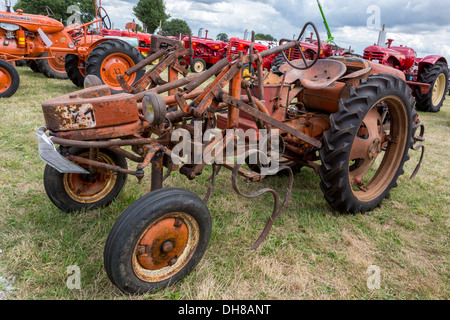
x=378 y=148
x=5 y=80
x=165 y=247
x=88 y=188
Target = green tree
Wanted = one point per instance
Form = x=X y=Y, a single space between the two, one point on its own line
x=58 y=7
x=265 y=37
x=176 y=26
x=222 y=37
x=150 y=13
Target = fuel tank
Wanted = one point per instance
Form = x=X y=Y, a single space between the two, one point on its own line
x=32 y=22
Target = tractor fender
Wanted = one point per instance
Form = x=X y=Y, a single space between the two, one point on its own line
x=432 y=59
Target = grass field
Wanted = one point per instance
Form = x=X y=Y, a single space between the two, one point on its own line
x=312 y=252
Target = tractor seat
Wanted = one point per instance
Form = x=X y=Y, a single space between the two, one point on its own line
x=319 y=76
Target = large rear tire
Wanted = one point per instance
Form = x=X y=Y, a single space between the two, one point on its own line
x=9 y=79
x=53 y=67
x=364 y=151
x=112 y=58
x=157 y=240
x=437 y=76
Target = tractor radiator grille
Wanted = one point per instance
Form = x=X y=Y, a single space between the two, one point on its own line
x=233 y=48
x=293 y=54
x=373 y=56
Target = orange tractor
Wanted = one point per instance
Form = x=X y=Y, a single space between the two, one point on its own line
x=350 y=120
x=73 y=51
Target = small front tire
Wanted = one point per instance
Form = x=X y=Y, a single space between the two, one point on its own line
x=157 y=240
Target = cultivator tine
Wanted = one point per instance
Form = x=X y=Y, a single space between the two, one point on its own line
x=417 y=139
x=277 y=211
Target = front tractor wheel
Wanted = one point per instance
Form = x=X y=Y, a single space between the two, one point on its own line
x=437 y=76
x=53 y=67
x=9 y=79
x=157 y=241
x=198 y=65
x=364 y=151
x=112 y=58
x=73 y=191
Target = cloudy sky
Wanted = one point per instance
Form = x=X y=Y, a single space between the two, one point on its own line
x=421 y=24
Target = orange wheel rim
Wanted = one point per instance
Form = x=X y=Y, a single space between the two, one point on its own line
x=5 y=80
x=90 y=188
x=116 y=64
x=58 y=62
x=165 y=247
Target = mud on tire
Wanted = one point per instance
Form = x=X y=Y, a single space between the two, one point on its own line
x=364 y=151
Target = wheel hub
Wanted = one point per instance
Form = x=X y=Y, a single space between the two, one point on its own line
x=162 y=244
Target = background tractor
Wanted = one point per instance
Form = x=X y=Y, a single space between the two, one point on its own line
x=207 y=52
x=428 y=77
x=60 y=52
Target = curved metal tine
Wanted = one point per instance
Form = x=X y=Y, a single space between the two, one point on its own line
x=212 y=178
x=276 y=212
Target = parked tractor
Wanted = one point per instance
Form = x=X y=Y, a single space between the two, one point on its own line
x=428 y=77
x=73 y=51
x=352 y=121
x=207 y=52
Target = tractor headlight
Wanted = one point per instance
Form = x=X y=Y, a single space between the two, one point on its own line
x=154 y=108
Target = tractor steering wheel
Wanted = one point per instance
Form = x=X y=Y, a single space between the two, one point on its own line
x=50 y=12
x=106 y=21
x=307 y=66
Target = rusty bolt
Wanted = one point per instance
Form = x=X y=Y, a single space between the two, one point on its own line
x=167 y=246
x=172 y=261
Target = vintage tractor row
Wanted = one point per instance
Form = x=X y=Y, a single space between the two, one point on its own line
x=352 y=121
x=60 y=52
x=428 y=77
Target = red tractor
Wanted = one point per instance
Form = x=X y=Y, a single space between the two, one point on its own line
x=207 y=52
x=428 y=77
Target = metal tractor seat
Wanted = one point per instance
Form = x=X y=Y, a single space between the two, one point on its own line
x=319 y=76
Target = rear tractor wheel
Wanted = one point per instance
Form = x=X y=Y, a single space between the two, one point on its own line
x=364 y=151
x=437 y=76
x=112 y=58
x=9 y=79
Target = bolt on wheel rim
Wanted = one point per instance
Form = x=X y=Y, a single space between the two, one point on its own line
x=378 y=149
x=165 y=247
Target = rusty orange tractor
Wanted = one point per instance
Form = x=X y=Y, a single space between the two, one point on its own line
x=60 y=52
x=351 y=121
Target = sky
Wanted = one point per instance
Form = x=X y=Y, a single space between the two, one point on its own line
x=423 y=25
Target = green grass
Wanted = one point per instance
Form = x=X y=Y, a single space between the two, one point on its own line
x=312 y=252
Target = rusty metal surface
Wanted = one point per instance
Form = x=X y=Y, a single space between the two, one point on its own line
x=319 y=76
